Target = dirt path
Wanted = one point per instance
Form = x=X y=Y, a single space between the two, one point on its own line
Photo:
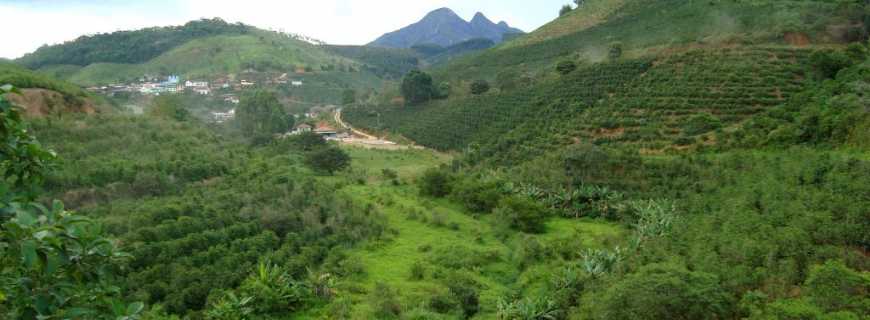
x=366 y=140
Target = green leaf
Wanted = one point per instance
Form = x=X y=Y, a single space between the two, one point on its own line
x=135 y=308
x=52 y=263
x=25 y=218
x=78 y=313
x=28 y=253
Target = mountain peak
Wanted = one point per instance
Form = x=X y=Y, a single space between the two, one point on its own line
x=480 y=17
x=444 y=27
x=442 y=12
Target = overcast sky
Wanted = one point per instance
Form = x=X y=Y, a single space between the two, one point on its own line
x=31 y=23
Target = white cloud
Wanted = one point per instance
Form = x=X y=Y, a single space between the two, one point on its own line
x=333 y=21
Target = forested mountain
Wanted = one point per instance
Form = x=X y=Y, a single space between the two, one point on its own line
x=632 y=159
x=129 y=47
x=444 y=28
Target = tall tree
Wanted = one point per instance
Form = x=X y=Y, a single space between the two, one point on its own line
x=417 y=87
x=261 y=115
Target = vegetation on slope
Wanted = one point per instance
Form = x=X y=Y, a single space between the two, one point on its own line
x=128 y=47
x=676 y=23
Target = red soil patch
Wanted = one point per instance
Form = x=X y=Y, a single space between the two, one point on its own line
x=797 y=39
x=42 y=102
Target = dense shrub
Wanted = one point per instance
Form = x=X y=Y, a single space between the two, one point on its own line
x=479 y=87
x=663 y=291
x=435 y=183
x=328 y=160
x=566 y=67
x=522 y=214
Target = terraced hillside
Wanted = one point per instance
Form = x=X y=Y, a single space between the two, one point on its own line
x=645 y=103
x=646 y=27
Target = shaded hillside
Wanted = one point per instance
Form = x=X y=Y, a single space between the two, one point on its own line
x=444 y=28
x=127 y=46
x=393 y=62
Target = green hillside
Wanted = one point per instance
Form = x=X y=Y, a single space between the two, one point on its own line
x=645 y=99
x=649 y=27
x=631 y=160
x=212 y=56
x=127 y=46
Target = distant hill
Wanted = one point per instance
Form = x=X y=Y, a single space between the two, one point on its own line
x=128 y=46
x=445 y=28
x=435 y=55
x=206 y=49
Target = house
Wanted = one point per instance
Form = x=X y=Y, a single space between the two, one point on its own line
x=246 y=83
x=221 y=117
x=231 y=99
x=325 y=130
x=296 y=83
x=202 y=90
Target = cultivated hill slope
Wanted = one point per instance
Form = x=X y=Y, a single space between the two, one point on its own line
x=668 y=91
x=645 y=27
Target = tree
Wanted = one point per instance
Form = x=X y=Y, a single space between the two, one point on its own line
x=566 y=9
x=479 y=87
x=829 y=63
x=55 y=264
x=348 y=97
x=307 y=141
x=579 y=3
x=328 y=160
x=435 y=183
x=261 y=115
x=417 y=87
x=171 y=107
x=522 y=213
x=663 y=291
x=566 y=67
x=615 y=51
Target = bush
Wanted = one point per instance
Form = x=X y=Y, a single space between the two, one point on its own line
x=328 y=160
x=478 y=196
x=615 y=51
x=566 y=67
x=435 y=183
x=701 y=123
x=828 y=63
x=385 y=301
x=663 y=291
x=522 y=213
x=479 y=87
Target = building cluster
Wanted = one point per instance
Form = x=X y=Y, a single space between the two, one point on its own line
x=223 y=85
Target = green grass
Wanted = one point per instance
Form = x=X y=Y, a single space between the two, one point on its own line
x=390 y=260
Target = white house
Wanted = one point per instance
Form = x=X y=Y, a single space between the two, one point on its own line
x=296 y=83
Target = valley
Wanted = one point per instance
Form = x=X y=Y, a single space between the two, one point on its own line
x=628 y=159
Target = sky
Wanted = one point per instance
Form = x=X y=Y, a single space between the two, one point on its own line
x=32 y=23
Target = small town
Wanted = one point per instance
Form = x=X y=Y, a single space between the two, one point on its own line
x=227 y=87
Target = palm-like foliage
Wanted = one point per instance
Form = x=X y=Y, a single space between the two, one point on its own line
x=528 y=309
x=597 y=262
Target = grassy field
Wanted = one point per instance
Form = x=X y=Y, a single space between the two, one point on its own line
x=424 y=230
